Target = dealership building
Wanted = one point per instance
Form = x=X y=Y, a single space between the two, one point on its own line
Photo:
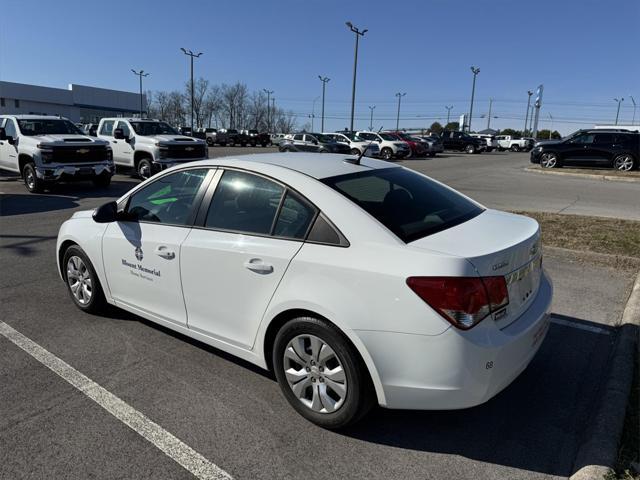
x=78 y=103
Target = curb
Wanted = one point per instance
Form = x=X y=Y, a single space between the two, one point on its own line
x=593 y=176
x=598 y=454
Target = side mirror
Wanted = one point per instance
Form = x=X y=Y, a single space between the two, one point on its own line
x=106 y=213
x=3 y=134
x=118 y=134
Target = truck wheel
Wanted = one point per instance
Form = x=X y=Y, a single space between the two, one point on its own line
x=470 y=149
x=102 y=181
x=31 y=180
x=144 y=169
x=515 y=148
x=209 y=142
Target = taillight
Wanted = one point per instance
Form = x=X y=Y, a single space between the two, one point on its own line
x=462 y=301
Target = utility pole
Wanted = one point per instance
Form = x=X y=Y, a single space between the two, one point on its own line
x=192 y=55
x=448 y=113
x=618 y=112
x=475 y=71
x=355 y=67
x=634 y=110
x=313 y=112
x=551 y=129
x=273 y=110
x=140 y=74
x=489 y=116
x=526 y=117
x=372 y=108
x=399 y=95
x=268 y=92
x=324 y=81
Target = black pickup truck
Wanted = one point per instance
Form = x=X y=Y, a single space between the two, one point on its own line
x=230 y=136
x=461 y=141
x=256 y=138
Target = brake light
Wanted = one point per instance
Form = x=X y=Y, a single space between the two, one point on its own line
x=462 y=301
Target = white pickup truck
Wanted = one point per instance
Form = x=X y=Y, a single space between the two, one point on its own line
x=46 y=149
x=508 y=142
x=149 y=146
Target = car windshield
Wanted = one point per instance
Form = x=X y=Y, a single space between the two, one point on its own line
x=48 y=127
x=153 y=128
x=388 y=137
x=411 y=205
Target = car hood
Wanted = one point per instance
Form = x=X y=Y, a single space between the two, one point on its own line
x=83 y=214
x=58 y=140
x=177 y=139
x=545 y=143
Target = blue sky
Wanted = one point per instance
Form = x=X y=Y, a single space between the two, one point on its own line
x=585 y=52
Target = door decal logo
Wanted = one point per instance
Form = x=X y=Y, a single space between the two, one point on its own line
x=139 y=255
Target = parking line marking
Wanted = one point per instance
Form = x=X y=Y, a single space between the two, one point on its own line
x=164 y=441
x=579 y=326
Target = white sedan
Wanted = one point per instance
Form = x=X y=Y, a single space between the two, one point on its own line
x=356 y=282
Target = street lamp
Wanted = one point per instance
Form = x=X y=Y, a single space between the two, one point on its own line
x=634 y=110
x=372 y=108
x=475 y=71
x=355 y=67
x=324 y=81
x=399 y=95
x=192 y=55
x=268 y=92
x=140 y=74
x=618 y=112
x=526 y=117
x=448 y=113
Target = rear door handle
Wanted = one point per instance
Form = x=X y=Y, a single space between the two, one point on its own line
x=164 y=252
x=258 y=266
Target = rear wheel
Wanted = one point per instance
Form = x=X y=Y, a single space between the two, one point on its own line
x=549 y=160
x=31 y=180
x=624 y=162
x=470 y=149
x=321 y=374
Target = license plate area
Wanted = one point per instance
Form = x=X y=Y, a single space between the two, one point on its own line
x=522 y=285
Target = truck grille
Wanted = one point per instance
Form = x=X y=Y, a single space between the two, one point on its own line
x=186 y=151
x=80 y=154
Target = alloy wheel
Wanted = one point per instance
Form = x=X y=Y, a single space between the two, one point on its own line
x=79 y=280
x=144 y=170
x=624 y=163
x=30 y=179
x=315 y=373
x=548 y=160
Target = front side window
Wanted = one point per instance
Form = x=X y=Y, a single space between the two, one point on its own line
x=53 y=126
x=10 y=129
x=584 y=139
x=244 y=202
x=125 y=129
x=297 y=137
x=107 y=128
x=169 y=200
x=411 y=205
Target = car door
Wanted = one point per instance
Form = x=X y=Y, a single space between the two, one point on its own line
x=141 y=253
x=579 y=150
x=604 y=146
x=233 y=261
x=8 y=151
x=122 y=149
x=298 y=142
x=311 y=143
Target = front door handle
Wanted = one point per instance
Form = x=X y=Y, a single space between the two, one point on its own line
x=258 y=266
x=165 y=252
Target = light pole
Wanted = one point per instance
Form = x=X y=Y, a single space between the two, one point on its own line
x=268 y=92
x=399 y=95
x=618 y=112
x=448 y=113
x=140 y=74
x=634 y=110
x=355 y=67
x=372 y=108
x=192 y=55
x=475 y=71
x=324 y=81
x=273 y=110
x=313 y=112
x=526 y=117
x=551 y=129
x=489 y=116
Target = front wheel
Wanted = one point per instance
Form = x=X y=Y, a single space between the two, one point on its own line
x=387 y=153
x=82 y=282
x=321 y=374
x=145 y=169
x=515 y=148
x=355 y=151
x=470 y=149
x=549 y=160
x=624 y=163
x=31 y=180
x=210 y=141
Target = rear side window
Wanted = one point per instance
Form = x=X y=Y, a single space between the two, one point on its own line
x=294 y=218
x=410 y=205
x=604 y=139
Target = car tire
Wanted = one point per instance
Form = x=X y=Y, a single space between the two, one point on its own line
x=355 y=151
x=209 y=142
x=31 y=180
x=331 y=400
x=81 y=278
x=470 y=149
x=386 y=153
x=144 y=169
x=102 y=181
x=515 y=148
x=624 y=162
x=549 y=160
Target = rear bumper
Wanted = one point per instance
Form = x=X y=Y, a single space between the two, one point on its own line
x=458 y=369
x=59 y=172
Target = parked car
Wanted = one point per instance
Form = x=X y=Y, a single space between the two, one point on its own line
x=509 y=142
x=45 y=149
x=90 y=129
x=491 y=143
x=230 y=136
x=428 y=307
x=461 y=141
x=357 y=144
x=312 y=142
x=185 y=131
x=418 y=147
x=435 y=144
x=390 y=146
x=149 y=146
x=254 y=137
x=595 y=148
x=276 y=139
x=211 y=136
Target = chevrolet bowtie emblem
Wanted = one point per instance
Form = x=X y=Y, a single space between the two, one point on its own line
x=189 y=149
x=82 y=151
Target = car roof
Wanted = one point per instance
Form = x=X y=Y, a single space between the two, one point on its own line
x=315 y=165
x=34 y=117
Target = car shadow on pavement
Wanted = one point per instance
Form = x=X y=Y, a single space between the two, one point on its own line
x=535 y=424
x=23 y=244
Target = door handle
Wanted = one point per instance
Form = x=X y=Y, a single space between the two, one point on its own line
x=258 y=266
x=164 y=252
x=114 y=141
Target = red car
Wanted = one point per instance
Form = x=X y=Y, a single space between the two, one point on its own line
x=418 y=149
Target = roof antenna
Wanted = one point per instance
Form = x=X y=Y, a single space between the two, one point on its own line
x=356 y=161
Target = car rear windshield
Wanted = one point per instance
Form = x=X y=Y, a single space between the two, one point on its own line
x=409 y=204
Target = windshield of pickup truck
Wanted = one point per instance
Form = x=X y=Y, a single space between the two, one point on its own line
x=153 y=128
x=48 y=127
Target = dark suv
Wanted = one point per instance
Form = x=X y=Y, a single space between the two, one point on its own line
x=461 y=141
x=596 y=148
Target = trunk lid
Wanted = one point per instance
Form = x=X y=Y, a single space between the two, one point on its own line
x=497 y=244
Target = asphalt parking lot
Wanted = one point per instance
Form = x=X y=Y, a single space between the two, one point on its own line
x=234 y=415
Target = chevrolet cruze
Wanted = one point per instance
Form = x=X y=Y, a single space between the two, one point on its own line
x=355 y=282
